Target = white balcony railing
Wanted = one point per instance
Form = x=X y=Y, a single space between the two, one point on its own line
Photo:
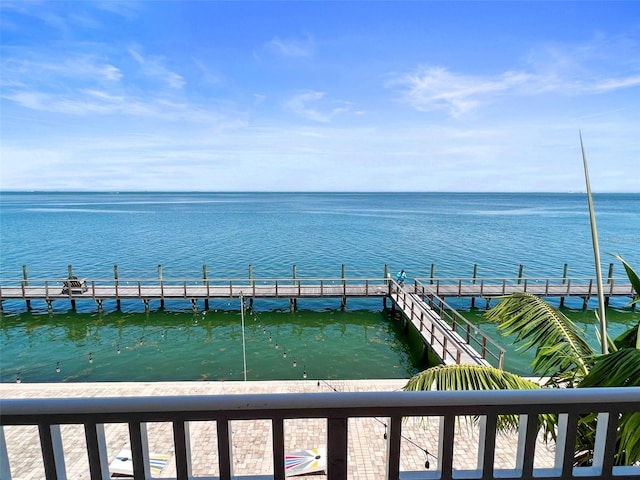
x=337 y=408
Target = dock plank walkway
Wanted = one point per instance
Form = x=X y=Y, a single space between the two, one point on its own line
x=446 y=343
x=540 y=288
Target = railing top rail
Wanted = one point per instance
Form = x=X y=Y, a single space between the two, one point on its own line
x=155 y=280
x=288 y=403
x=470 y=280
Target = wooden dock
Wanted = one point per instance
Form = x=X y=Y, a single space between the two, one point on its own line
x=488 y=288
x=449 y=335
x=195 y=290
x=422 y=302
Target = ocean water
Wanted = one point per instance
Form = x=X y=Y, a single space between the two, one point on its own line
x=318 y=232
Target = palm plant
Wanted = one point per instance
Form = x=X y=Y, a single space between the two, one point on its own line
x=561 y=355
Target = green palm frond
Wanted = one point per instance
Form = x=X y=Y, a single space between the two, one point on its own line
x=477 y=377
x=629 y=438
x=629 y=338
x=633 y=278
x=617 y=369
x=467 y=377
x=560 y=345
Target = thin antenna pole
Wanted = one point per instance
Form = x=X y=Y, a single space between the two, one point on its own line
x=244 y=348
x=596 y=255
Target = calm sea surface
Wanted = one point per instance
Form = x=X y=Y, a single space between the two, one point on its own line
x=318 y=233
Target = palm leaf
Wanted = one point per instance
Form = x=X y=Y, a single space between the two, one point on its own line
x=617 y=369
x=467 y=377
x=629 y=338
x=559 y=343
x=477 y=377
x=633 y=278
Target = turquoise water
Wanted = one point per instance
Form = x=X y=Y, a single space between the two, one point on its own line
x=173 y=346
x=273 y=231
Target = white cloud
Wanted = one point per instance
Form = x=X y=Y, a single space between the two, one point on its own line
x=291 y=48
x=153 y=67
x=598 y=66
x=436 y=88
x=309 y=105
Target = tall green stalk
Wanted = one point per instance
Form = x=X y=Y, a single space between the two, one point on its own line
x=596 y=256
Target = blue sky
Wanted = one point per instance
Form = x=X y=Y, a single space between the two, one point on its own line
x=319 y=96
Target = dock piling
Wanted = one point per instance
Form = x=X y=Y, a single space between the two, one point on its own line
x=161 y=289
x=520 y=271
x=115 y=278
x=206 y=282
x=473 y=281
x=343 y=304
x=293 y=303
x=25 y=282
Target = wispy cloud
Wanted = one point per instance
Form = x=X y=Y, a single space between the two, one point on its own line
x=591 y=68
x=153 y=67
x=436 y=88
x=291 y=47
x=309 y=105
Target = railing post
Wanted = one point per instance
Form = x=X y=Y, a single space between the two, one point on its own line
x=52 y=452
x=610 y=275
x=182 y=443
x=393 y=447
x=433 y=271
x=564 y=273
x=139 y=449
x=277 y=426
x=96 y=451
x=337 y=448
x=70 y=271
